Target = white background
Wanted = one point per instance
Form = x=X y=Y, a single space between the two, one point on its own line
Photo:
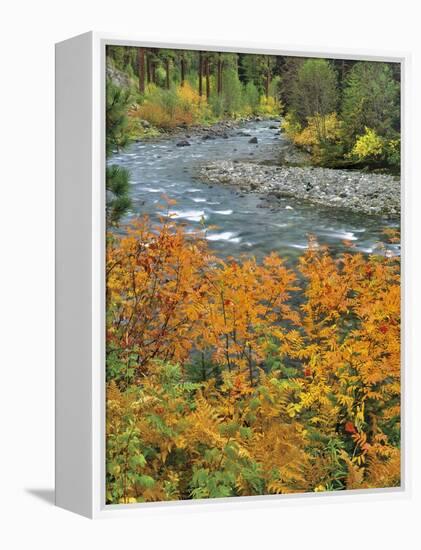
x=28 y=32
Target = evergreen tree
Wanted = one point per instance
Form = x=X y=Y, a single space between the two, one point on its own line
x=166 y=58
x=315 y=91
x=371 y=100
x=141 y=68
x=118 y=100
x=258 y=69
x=117 y=179
x=118 y=190
x=289 y=76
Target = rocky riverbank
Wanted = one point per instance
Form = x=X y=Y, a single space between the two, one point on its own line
x=369 y=193
x=220 y=129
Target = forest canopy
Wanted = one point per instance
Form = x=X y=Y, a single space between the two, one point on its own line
x=345 y=113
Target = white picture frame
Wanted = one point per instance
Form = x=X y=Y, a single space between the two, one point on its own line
x=80 y=277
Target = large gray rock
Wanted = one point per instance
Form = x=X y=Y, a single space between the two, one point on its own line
x=117 y=77
x=183 y=143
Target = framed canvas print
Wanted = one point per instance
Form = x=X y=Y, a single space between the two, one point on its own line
x=228 y=274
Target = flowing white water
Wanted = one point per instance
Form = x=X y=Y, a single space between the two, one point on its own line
x=238 y=223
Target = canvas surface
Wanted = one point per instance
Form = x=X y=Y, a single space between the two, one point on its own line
x=253 y=275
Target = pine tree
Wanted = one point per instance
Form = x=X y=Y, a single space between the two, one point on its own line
x=117 y=179
x=371 y=100
x=141 y=64
x=118 y=199
x=315 y=91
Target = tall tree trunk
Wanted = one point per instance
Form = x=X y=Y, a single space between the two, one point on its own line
x=207 y=78
x=267 y=83
x=128 y=57
x=167 y=73
x=342 y=75
x=141 y=64
x=219 y=75
x=200 y=74
x=153 y=72
x=183 y=69
x=148 y=68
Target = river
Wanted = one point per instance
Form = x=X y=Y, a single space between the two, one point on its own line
x=240 y=225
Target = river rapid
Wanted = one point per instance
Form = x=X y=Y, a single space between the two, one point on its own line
x=240 y=223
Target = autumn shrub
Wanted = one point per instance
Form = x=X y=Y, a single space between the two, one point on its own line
x=291 y=125
x=269 y=106
x=321 y=136
x=190 y=101
x=180 y=105
x=155 y=114
x=320 y=129
x=305 y=391
x=371 y=147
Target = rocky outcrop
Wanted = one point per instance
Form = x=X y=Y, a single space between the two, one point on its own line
x=117 y=77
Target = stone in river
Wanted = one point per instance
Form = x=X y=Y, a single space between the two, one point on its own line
x=253 y=140
x=183 y=143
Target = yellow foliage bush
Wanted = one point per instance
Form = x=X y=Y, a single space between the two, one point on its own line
x=306 y=395
x=269 y=106
x=170 y=108
x=369 y=145
x=291 y=126
x=319 y=129
x=372 y=147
